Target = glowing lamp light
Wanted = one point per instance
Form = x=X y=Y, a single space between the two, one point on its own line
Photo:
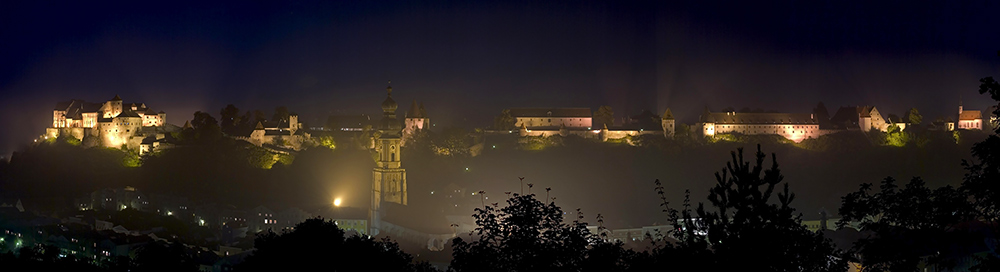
x=336 y=202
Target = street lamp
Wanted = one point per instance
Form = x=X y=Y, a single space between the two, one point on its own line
x=336 y=202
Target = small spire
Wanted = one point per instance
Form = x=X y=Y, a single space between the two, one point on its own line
x=389 y=88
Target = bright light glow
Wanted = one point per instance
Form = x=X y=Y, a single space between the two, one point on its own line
x=336 y=202
x=170 y=213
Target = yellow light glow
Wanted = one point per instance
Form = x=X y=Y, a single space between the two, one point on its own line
x=336 y=202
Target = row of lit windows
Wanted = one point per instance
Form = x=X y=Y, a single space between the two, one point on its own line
x=729 y=126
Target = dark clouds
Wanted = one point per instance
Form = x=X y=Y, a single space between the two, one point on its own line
x=466 y=61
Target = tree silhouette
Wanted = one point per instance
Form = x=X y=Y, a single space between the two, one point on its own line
x=280 y=114
x=913 y=117
x=604 y=116
x=230 y=119
x=160 y=256
x=505 y=121
x=528 y=235
x=983 y=174
x=746 y=230
x=320 y=244
x=910 y=224
x=915 y=225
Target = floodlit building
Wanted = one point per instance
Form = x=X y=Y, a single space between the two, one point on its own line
x=280 y=133
x=538 y=118
x=793 y=126
x=969 y=119
x=865 y=118
x=388 y=177
x=416 y=120
x=112 y=123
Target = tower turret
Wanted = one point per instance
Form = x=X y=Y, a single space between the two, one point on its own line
x=667 y=121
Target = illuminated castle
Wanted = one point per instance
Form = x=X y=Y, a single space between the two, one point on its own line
x=109 y=124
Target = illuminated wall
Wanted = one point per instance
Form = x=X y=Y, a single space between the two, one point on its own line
x=569 y=122
x=795 y=127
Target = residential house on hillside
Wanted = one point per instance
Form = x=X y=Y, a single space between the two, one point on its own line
x=864 y=118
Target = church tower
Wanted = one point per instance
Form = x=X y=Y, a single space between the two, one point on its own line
x=388 y=178
x=416 y=119
x=667 y=121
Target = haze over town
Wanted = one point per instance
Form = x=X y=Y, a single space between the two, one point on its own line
x=207 y=124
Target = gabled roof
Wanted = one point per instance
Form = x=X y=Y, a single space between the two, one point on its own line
x=848 y=117
x=759 y=118
x=128 y=113
x=551 y=112
x=969 y=115
x=668 y=115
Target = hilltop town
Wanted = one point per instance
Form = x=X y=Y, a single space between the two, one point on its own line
x=134 y=126
x=391 y=193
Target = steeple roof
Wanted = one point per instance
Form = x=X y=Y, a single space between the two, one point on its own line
x=415 y=111
x=389 y=105
x=117 y=98
x=667 y=115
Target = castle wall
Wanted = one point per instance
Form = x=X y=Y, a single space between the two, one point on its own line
x=795 y=132
x=89 y=119
x=149 y=120
x=569 y=122
x=58 y=118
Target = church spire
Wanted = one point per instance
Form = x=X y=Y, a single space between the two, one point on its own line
x=389 y=105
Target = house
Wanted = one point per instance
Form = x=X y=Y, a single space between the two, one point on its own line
x=969 y=119
x=864 y=118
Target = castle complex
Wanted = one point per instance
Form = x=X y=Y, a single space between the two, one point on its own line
x=109 y=124
x=279 y=133
x=544 y=122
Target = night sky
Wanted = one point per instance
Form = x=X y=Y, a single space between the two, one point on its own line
x=467 y=60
